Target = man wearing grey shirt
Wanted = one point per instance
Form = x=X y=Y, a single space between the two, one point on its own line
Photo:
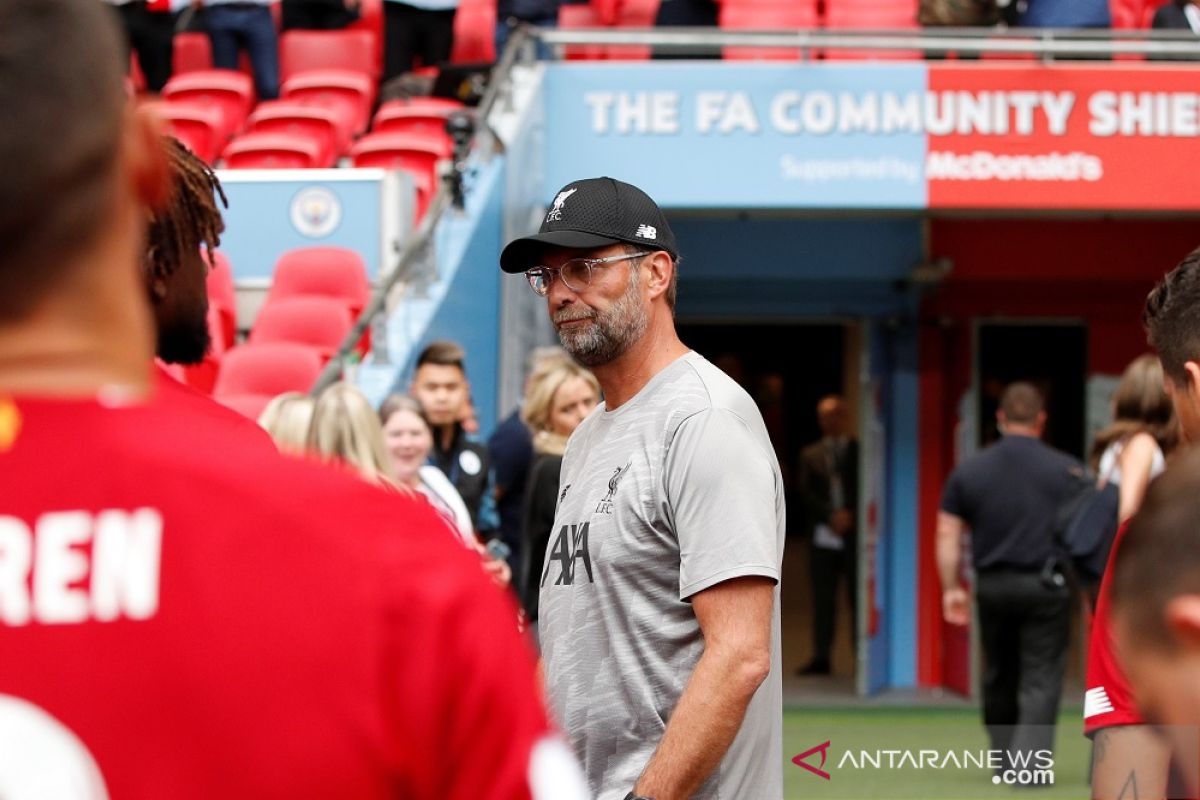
x=660 y=588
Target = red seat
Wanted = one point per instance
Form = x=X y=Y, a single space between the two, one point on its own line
x=312 y=122
x=322 y=272
x=572 y=17
x=871 y=15
x=248 y=405
x=417 y=151
x=427 y=102
x=200 y=127
x=634 y=14
x=230 y=91
x=415 y=154
x=370 y=18
x=352 y=49
x=474 y=33
x=349 y=94
x=222 y=298
x=766 y=15
x=257 y=150
x=399 y=116
x=318 y=322
x=192 y=53
x=267 y=369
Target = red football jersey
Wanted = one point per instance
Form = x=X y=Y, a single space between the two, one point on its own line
x=224 y=420
x=208 y=622
x=1108 y=700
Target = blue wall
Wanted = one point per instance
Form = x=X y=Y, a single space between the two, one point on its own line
x=463 y=304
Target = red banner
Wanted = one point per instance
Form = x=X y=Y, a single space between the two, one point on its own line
x=1102 y=136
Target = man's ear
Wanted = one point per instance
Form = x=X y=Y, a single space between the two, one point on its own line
x=1193 y=378
x=146 y=158
x=1182 y=616
x=662 y=269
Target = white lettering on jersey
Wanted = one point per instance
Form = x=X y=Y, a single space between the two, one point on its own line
x=47 y=574
x=43 y=758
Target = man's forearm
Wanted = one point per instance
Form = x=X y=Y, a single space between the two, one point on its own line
x=1130 y=763
x=703 y=725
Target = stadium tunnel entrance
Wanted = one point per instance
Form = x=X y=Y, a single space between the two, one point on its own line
x=787 y=390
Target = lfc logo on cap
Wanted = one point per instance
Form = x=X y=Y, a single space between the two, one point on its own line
x=556 y=212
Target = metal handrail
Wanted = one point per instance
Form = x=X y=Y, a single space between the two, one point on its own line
x=1044 y=42
x=417 y=244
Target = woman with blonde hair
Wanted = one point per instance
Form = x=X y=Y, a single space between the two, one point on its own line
x=1132 y=451
x=408 y=438
x=346 y=430
x=287 y=418
x=561 y=395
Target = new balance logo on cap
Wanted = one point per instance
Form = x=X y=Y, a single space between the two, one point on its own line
x=646 y=232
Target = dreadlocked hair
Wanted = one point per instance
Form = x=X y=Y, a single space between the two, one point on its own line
x=192 y=217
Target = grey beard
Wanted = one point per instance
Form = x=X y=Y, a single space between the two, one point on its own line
x=611 y=332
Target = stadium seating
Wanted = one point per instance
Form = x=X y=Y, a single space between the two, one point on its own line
x=200 y=126
x=192 y=53
x=871 y=15
x=230 y=91
x=267 y=370
x=370 y=18
x=318 y=322
x=258 y=150
x=323 y=272
x=350 y=49
x=317 y=123
x=416 y=154
x=222 y=298
x=350 y=94
x=766 y=15
x=628 y=14
x=474 y=32
x=399 y=116
x=248 y=405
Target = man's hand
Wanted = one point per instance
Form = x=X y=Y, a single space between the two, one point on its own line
x=842 y=521
x=956 y=606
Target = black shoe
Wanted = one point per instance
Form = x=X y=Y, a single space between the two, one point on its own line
x=817 y=666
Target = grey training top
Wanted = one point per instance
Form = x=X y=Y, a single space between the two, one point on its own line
x=675 y=491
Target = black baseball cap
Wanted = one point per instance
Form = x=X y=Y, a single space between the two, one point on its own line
x=594 y=212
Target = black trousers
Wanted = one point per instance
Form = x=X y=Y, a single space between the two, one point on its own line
x=410 y=33
x=830 y=570
x=151 y=34
x=1024 y=625
x=299 y=15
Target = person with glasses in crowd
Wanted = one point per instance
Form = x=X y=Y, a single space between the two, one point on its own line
x=661 y=647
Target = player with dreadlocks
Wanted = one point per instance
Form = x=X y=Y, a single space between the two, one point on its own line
x=175 y=267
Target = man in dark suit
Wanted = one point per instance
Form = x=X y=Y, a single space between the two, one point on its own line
x=828 y=483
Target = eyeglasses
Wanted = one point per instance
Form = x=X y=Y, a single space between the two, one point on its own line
x=576 y=273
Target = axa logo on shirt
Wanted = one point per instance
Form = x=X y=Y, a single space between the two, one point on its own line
x=569 y=549
x=48 y=575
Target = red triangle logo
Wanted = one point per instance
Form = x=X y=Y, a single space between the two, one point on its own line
x=800 y=761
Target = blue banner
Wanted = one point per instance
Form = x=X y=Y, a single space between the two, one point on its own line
x=273 y=211
x=724 y=135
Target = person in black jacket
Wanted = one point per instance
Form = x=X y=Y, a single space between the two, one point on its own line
x=440 y=386
x=829 y=493
x=561 y=394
